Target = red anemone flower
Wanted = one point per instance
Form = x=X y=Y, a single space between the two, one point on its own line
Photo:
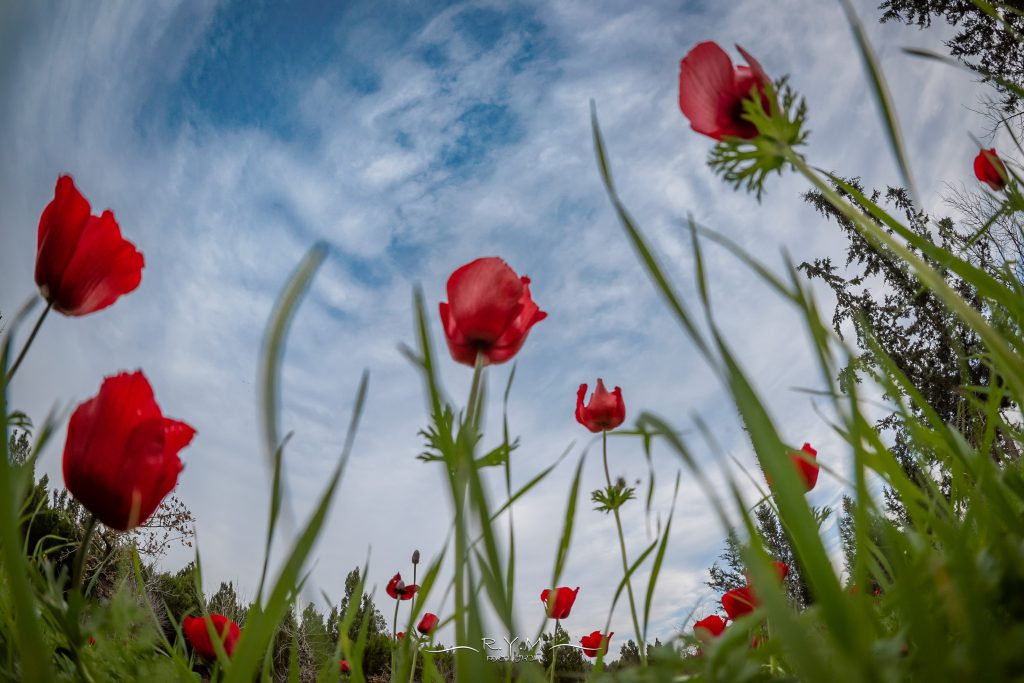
x=709 y=627
x=489 y=311
x=561 y=605
x=121 y=453
x=345 y=668
x=989 y=169
x=739 y=601
x=198 y=634
x=605 y=412
x=397 y=589
x=427 y=624
x=594 y=642
x=712 y=91
x=83 y=264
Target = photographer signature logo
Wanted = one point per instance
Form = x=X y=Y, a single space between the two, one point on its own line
x=514 y=650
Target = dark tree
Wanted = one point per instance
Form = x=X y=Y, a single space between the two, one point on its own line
x=981 y=42
x=732 y=573
x=367 y=610
x=570 y=663
x=879 y=298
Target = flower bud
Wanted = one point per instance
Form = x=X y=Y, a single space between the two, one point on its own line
x=415 y=556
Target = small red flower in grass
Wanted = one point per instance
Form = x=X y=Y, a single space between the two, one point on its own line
x=121 y=453
x=400 y=635
x=83 y=264
x=427 y=624
x=709 y=627
x=989 y=169
x=807 y=464
x=782 y=568
x=738 y=602
x=596 y=642
x=345 y=668
x=606 y=411
x=489 y=310
x=712 y=90
x=198 y=634
x=561 y=604
x=397 y=589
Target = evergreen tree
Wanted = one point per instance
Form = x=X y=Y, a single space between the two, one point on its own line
x=939 y=354
x=982 y=42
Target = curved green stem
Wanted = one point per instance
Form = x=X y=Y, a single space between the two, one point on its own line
x=460 y=483
x=80 y=554
x=28 y=342
x=625 y=560
x=554 y=651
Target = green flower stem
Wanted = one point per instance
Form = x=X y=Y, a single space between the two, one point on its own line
x=412 y=671
x=554 y=651
x=28 y=343
x=625 y=561
x=412 y=603
x=460 y=482
x=394 y=632
x=80 y=554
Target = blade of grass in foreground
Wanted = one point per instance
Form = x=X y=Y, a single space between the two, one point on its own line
x=265 y=617
x=35 y=656
x=882 y=95
x=270 y=383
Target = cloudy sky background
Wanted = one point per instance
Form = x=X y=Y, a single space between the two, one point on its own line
x=413 y=137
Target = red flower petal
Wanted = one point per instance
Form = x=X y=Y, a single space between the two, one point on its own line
x=198 y=634
x=427 y=624
x=606 y=410
x=83 y=264
x=807 y=465
x=484 y=298
x=596 y=642
x=562 y=604
x=709 y=627
x=738 y=602
x=712 y=90
x=489 y=310
x=118 y=460
x=59 y=229
x=989 y=169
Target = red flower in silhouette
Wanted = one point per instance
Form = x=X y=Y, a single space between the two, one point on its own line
x=989 y=169
x=427 y=624
x=606 y=411
x=709 y=627
x=397 y=589
x=595 y=642
x=82 y=262
x=712 y=90
x=198 y=634
x=739 y=601
x=561 y=605
x=489 y=310
x=121 y=453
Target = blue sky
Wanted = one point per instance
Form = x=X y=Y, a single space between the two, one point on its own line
x=413 y=137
